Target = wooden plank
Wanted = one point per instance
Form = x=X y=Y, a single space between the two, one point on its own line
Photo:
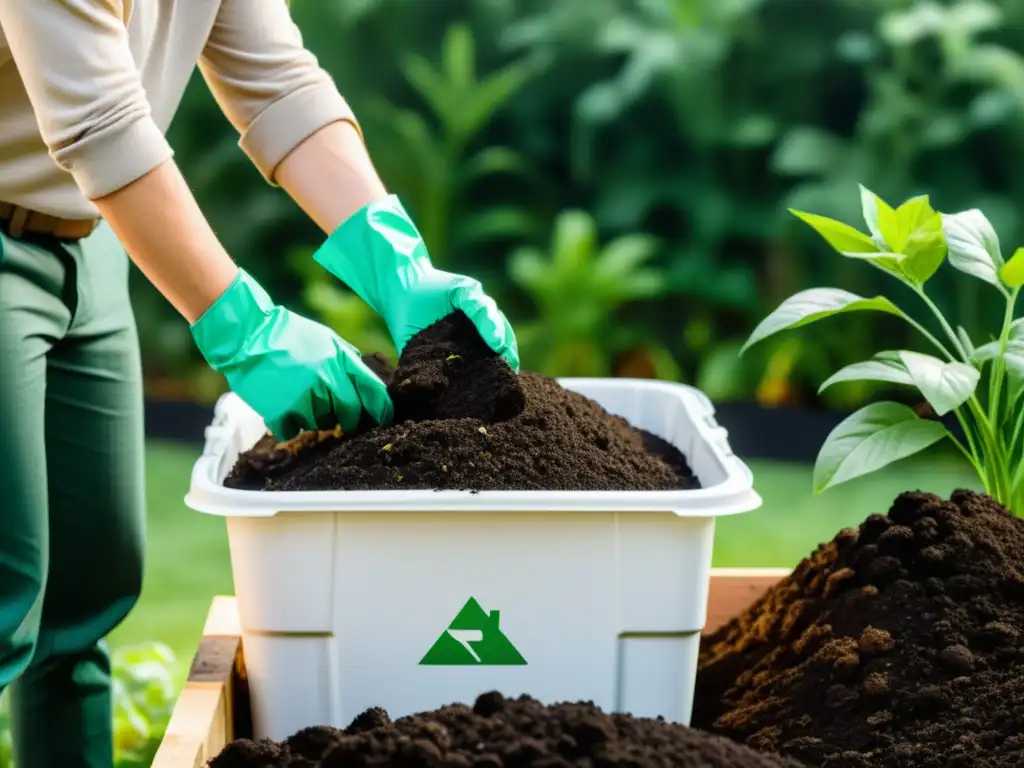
x=732 y=590
x=212 y=709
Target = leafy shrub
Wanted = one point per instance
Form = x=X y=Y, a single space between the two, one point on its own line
x=910 y=244
x=695 y=122
x=145 y=691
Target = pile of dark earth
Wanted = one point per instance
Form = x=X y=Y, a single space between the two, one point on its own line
x=464 y=420
x=499 y=733
x=899 y=643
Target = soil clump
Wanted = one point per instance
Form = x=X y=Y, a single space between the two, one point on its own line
x=898 y=643
x=464 y=420
x=499 y=733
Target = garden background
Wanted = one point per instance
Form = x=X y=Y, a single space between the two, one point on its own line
x=617 y=173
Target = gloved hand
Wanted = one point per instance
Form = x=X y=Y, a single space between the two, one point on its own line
x=295 y=373
x=380 y=255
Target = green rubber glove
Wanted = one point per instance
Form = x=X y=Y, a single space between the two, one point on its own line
x=295 y=373
x=380 y=255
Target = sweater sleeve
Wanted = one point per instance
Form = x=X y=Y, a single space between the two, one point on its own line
x=269 y=86
x=85 y=90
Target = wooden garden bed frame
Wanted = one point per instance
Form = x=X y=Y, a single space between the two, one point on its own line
x=213 y=708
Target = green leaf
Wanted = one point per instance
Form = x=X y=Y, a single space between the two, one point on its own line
x=910 y=235
x=806 y=150
x=458 y=56
x=925 y=247
x=494 y=160
x=642 y=284
x=911 y=216
x=842 y=237
x=973 y=245
x=873 y=207
x=895 y=225
x=987 y=352
x=624 y=255
x=574 y=243
x=815 y=304
x=722 y=375
x=430 y=85
x=885 y=366
x=488 y=96
x=890 y=262
x=872 y=438
x=1012 y=271
x=944 y=385
x=1014 y=359
x=965 y=340
x=495 y=223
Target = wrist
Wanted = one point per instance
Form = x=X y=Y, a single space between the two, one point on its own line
x=377 y=252
x=231 y=319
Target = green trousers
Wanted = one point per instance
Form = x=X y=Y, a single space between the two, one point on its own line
x=71 y=490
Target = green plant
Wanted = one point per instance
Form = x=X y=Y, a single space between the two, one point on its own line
x=433 y=165
x=144 y=692
x=909 y=244
x=144 y=696
x=337 y=307
x=577 y=287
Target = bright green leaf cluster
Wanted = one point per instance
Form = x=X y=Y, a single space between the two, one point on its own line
x=145 y=690
x=982 y=386
x=578 y=285
x=144 y=694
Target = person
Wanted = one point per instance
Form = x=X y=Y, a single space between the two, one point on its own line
x=87 y=179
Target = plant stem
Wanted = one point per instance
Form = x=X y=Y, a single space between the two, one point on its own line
x=968 y=455
x=1016 y=435
x=999 y=364
x=950 y=333
x=1016 y=502
x=1018 y=476
x=995 y=465
x=978 y=460
x=928 y=335
x=997 y=469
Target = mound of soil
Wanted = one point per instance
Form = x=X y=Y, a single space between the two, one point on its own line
x=499 y=733
x=896 y=644
x=464 y=420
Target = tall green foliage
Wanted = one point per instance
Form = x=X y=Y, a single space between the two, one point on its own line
x=980 y=384
x=578 y=289
x=694 y=122
x=145 y=690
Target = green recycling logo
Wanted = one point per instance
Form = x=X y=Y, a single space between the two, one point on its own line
x=473 y=639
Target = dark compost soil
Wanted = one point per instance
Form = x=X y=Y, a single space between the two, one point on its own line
x=499 y=733
x=896 y=644
x=464 y=420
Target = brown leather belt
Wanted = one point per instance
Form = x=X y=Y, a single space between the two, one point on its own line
x=16 y=221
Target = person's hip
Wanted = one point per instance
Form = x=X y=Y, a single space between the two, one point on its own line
x=17 y=221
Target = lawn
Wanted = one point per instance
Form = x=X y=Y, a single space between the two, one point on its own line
x=188 y=553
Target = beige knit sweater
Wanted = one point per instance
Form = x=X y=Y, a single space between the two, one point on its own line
x=89 y=87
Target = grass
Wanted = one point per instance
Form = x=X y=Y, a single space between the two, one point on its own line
x=187 y=559
x=793 y=520
x=188 y=554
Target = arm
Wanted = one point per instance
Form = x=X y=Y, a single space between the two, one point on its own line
x=294 y=125
x=302 y=135
x=158 y=222
x=94 y=117
x=74 y=59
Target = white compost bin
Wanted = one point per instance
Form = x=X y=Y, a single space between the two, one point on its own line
x=410 y=600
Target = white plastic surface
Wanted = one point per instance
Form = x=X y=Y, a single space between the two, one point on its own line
x=342 y=593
